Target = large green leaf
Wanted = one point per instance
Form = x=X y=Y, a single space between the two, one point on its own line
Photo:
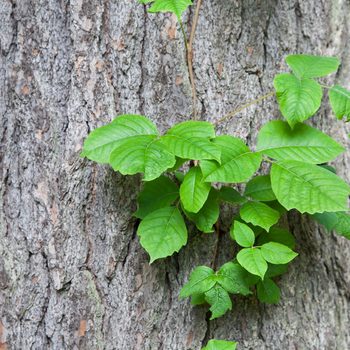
x=259 y=214
x=308 y=188
x=201 y=280
x=219 y=301
x=156 y=194
x=208 y=215
x=279 y=235
x=233 y=278
x=304 y=143
x=177 y=7
x=102 y=141
x=191 y=140
x=252 y=260
x=339 y=98
x=220 y=345
x=259 y=188
x=142 y=154
x=277 y=253
x=238 y=163
x=193 y=190
x=268 y=292
x=298 y=99
x=242 y=234
x=307 y=66
x=162 y=233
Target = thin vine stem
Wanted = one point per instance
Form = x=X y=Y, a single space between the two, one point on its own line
x=241 y=108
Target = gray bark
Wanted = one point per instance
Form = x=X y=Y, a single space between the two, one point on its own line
x=72 y=272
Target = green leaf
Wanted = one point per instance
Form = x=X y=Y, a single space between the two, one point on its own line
x=276 y=270
x=339 y=98
x=102 y=141
x=178 y=163
x=201 y=280
x=307 y=66
x=162 y=232
x=339 y=222
x=276 y=253
x=233 y=278
x=230 y=195
x=208 y=215
x=343 y=225
x=304 y=143
x=220 y=345
x=238 y=163
x=191 y=140
x=252 y=260
x=268 y=292
x=259 y=214
x=142 y=154
x=279 y=235
x=156 y=194
x=308 y=188
x=242 y=234
x=259 y=188
x=298 y=99
x=178 y=7
x=219 y=300
x=198 y=299
x=194 y=191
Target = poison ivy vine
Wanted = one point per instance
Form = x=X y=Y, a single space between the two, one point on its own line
x=189 y=171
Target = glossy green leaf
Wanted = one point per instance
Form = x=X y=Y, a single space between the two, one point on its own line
x=162 y=232
x=276 y=253
x=268 y=292
x=208 y=215
x=193 y=190
x=238 y=163
x=201 y=280
x=308 y=66
x=259 y=214
x=102 y=141
x=279 y=235
x=339 y=98
x=304 y=143
x=233 y=278
x=308 y=188
x=230 y=195
x=220 y=345
x=219 y=301
x=252 y=260
x=259 y=188
x=156 y=194
x=178 y=7
x=298 y=99
x=242 y=234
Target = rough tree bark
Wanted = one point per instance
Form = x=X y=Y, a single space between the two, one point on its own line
x=72 y=272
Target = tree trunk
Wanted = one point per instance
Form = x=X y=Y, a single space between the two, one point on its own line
x=72 y=272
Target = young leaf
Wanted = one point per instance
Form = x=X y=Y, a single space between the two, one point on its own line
x=233 y=278
x=339 y=98
x=142 y=154
x=198 y=299
x=162 y=233
x=177 y=7
x=220 y=345
x=219 y=300
x=194 y=191
x=156 y=194
x=230 y=195
x=279 y=235
x=276 y=253
x=259 y=214
x=238 y=163
x=343 y=225
x=102 y=141
x=259 y=188
x=304 y=143
x=208 y=215
x=307 y=66
x=308 y=188
x=298 y=99
x=243 y=234
x=252 y=260
x=201 y=280
x=268 y=292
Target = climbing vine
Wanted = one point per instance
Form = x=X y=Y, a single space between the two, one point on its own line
x=189 y=171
